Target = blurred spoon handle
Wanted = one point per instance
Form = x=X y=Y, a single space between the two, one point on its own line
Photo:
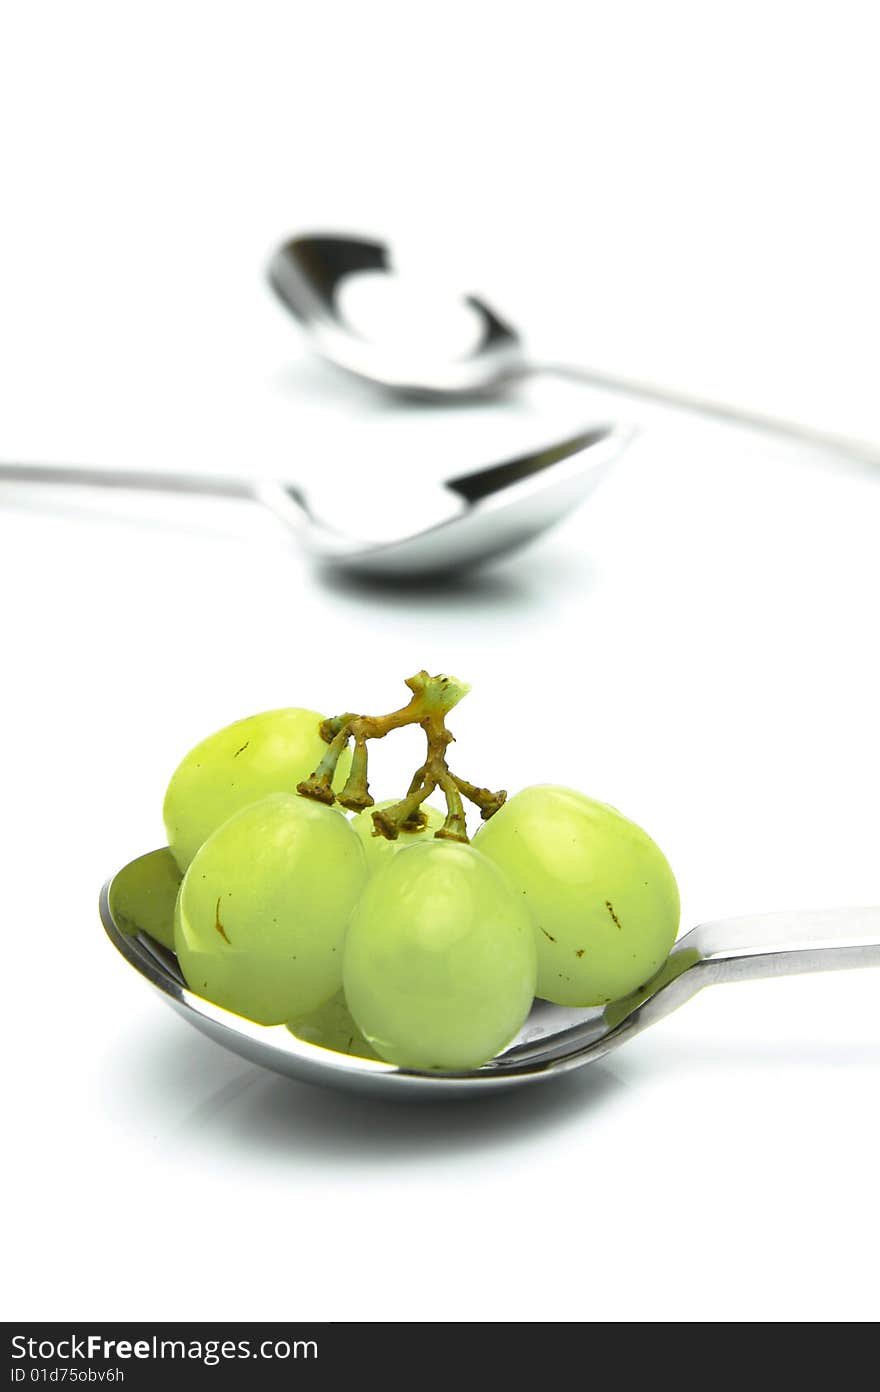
x=791 y=431
x=212 y=485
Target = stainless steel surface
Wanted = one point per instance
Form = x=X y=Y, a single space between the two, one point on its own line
x=308 y=273
x=436 y=528
x=554 y=1039
x=421 y=530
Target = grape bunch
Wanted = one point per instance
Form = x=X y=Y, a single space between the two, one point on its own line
x=379 y=929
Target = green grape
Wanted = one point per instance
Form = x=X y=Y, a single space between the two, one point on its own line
x=267 y=753
x=264 y=905
x=602 y=895
x=439 y=966
x=332 y=1026
x=143 y=895
x=379 y=848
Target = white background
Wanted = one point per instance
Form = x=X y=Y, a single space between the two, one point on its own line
x=686 y=193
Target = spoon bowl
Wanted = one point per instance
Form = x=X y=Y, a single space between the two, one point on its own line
x=434 y=528
x=311 y=274
x=553 y=1040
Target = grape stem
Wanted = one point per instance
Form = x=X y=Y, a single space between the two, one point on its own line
x=431 y=701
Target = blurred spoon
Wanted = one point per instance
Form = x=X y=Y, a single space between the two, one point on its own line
x=314 y=276
x=421 y=528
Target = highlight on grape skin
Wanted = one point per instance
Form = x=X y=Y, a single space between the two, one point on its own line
x=376 y=929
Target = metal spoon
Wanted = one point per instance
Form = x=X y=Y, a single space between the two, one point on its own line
x=310 y=275
x=553 y=1040
x=425 y=528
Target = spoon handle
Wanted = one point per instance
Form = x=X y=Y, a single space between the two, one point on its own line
x=213 y=485
x=863 y=450
x=786 y=944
